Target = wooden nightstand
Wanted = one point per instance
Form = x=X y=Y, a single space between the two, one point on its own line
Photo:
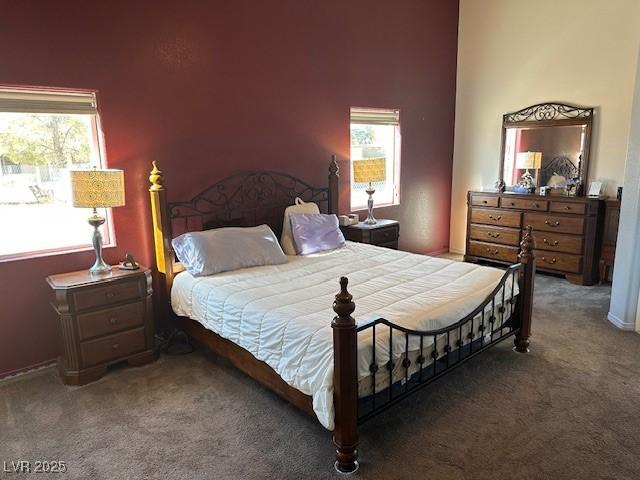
x=104 y=319
x=385 y=233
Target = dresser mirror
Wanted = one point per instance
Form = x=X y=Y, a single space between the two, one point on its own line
x=546 y=145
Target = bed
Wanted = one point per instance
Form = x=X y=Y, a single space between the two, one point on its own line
x=274 y=322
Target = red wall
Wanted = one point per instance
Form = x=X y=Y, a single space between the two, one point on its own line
x=212 y=88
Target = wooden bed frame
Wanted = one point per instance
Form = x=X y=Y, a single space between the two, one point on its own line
x=261 y=197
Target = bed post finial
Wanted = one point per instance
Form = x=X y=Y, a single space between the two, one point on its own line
x=345 y=383
x=334 y=192
x=156 y=178
x=527 y=276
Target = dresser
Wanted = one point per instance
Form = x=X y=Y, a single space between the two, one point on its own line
x=103 y=319
x=384 y=233
x=567 y=231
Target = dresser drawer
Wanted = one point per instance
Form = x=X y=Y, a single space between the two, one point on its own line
x=501 y=218
x=110 y=320
x=562 y=262
x=506 y=236
x=558 y=242
x=554 y=223
x=112 y=347
x=568 y=207
x=484 y=200
x=493 y=251
x=107 y=295
x=524 y=203
x=383 y=236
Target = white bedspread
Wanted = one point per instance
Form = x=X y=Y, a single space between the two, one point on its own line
x=282 y=314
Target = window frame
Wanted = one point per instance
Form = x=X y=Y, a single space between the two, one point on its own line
x=97 y=135
x=382 y=113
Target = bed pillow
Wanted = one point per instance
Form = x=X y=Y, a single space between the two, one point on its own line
x=224 y=249
x=315 y=232
x=286 y=240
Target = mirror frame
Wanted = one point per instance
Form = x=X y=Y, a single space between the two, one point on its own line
x=551 y=114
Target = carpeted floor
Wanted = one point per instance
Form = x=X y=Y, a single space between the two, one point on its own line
x=567 y=410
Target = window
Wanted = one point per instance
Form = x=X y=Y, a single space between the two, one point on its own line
x=44 y=135
x=375 y=134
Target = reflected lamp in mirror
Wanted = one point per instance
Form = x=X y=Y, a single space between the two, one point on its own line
x=97 y=189
x=526 y=161
x=369 y=170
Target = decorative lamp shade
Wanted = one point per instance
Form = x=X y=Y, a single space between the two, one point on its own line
x=97 y=188
x=526 y=160
x=369 y=170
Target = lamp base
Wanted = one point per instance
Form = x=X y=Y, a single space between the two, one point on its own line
x=370 y=220
x=99 y=266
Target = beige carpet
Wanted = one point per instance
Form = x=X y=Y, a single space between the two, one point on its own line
x=568 y=410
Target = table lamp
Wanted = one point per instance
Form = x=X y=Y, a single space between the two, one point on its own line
x=525 y=161
x=369 y=170
x=97 y=189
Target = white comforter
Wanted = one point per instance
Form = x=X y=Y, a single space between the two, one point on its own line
x=282 y=314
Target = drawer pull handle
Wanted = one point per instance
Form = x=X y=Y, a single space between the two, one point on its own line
x=110 y=295
x=115 y=346
x=113 y=320
x=552 y=261
x=492 y=252
x=537 y=205
x=495 y=218
x=567 y=207
x=513 y=203
x=554 y=243
x=493 y=235
x=554 y=224
x=484 y=201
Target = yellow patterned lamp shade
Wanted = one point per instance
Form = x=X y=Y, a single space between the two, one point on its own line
x=369 y=170
x=97 y=188
x=527 y=160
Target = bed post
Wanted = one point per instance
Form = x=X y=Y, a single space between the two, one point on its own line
x=527 y=258
x=334 y=192
x=345 y=383
x=161 y=226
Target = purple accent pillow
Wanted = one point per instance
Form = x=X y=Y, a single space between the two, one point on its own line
x=315 y=232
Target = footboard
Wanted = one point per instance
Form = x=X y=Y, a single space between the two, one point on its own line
x=411 y=359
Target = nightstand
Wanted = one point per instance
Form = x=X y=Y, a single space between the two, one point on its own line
x=104 y=319
x=385 y=233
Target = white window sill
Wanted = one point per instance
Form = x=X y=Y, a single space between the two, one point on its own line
x=49 y=253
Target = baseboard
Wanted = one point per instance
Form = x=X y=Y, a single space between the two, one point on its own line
x=435 y=253
x=619 y=323
x=457 y=251
x=21 y=373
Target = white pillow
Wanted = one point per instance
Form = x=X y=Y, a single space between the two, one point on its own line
x=286 y=240
x=224 y=249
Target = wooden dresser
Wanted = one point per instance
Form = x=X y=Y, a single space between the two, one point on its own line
x=104 y=319
x=566 y=231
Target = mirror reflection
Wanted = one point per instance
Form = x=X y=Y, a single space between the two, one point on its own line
x=543 y=156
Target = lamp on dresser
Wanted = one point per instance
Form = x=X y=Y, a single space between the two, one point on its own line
x=369 y=170
x=97 y=189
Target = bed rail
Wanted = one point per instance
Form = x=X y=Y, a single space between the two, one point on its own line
x=415 y=358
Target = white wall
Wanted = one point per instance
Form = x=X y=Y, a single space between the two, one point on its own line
x=515 y=53
x=624 y=311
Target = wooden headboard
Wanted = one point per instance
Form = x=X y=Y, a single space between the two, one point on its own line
x=245 y=199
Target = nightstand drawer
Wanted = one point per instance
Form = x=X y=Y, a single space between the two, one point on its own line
x=112 y=347
x=493 y=251
x=110 y=320
x=107 y=295
x=384 y=235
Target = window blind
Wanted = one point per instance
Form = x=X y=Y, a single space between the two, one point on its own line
x=47 y=102
x=375 y=116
